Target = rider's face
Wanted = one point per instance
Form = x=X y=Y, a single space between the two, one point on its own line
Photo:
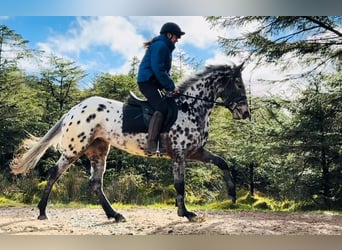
x=173 y=38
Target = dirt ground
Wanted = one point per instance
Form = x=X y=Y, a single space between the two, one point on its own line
x=148 y=221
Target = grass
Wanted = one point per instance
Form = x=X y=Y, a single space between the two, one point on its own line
x=4 y=202
x=245 y=203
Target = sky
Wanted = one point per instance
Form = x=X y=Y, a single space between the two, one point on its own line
x=108 y=44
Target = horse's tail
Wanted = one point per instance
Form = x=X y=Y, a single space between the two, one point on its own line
x=34 y=148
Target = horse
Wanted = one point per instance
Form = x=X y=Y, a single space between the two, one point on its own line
x=91 y=127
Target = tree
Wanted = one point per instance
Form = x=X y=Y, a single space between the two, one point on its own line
x=313 y=40
x=17 y=103
x=133 y=72
x=315 y=138
x=182 y=63
x=58 y=85
x=12 y=49
x=116 y=87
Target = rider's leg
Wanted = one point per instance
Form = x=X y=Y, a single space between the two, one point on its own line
x=151 y=91
x=154 y=128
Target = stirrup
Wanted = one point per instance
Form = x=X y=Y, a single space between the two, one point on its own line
x=159 y=152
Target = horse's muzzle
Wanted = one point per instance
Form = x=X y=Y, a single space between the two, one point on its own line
x=246 y=114
x=241 y=112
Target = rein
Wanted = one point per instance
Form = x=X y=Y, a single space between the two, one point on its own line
x=202 y=99
x=231 y=105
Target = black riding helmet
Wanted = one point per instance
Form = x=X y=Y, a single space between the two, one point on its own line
x=171 y=28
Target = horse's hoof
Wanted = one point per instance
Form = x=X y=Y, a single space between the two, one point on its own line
x=191 y=216
x=42 y=217
x=120 y=218
x=197 y=219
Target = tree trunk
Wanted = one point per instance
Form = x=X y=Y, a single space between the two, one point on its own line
x=251 y=167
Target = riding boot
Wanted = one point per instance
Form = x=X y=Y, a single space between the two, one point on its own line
x=154 y=128
x=163 y=142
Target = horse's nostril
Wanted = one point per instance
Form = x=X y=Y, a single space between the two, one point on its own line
x=245 y=115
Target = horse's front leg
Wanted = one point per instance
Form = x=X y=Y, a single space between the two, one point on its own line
x=207 y=157
x=179 y=184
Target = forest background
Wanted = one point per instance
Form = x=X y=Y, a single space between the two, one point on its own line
x=288 y=157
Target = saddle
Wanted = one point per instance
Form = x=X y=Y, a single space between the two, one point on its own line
x=137 y=114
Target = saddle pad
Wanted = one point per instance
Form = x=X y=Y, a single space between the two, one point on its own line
x=136 y=118
x=133 y=120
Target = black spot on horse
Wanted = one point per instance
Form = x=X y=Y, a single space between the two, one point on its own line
x=186 y=131
x=184 y=107
x=78 y=122
x=179 y=128
x=83 y=138
x=81 y=134
x=91 y=117
x=101 y=107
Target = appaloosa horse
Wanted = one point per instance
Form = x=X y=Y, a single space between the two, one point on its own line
x=95 y=124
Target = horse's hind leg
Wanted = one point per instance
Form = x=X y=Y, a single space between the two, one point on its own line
x=208 y=157
x=55 y=172
x=97 y=153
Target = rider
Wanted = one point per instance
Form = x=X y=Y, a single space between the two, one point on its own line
x=154 y=75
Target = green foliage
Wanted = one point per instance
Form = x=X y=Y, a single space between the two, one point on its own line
x=115 y=87
x=203 y=184
x=5 y=202
x=58 y=87
x=311 y=39
x=257 y=202
x=26 y=188
x=314 y=138
x=16 y=104
x=73 y=186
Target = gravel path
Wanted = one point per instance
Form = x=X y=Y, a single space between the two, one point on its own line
x=150 y=221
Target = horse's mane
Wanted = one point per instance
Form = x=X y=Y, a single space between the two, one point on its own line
x=210 y=68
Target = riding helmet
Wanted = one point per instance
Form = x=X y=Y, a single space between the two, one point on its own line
x=171 y=28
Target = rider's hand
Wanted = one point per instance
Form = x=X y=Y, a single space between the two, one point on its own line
x=176 y=91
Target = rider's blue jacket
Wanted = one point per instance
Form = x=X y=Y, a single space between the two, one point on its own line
x=157 y=62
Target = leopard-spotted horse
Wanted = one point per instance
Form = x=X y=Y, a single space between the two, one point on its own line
x=95 y=124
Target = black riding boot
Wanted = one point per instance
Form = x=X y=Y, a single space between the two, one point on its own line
x=163 y=143
x=154 y=128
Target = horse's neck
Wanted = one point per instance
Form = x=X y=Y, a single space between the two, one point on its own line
x=201 y=95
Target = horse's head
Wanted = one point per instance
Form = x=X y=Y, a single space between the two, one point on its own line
x=233 y=92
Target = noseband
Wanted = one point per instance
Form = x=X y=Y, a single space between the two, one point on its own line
x=236 y=102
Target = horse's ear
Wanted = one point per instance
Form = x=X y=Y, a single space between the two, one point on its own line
x=241 y=66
